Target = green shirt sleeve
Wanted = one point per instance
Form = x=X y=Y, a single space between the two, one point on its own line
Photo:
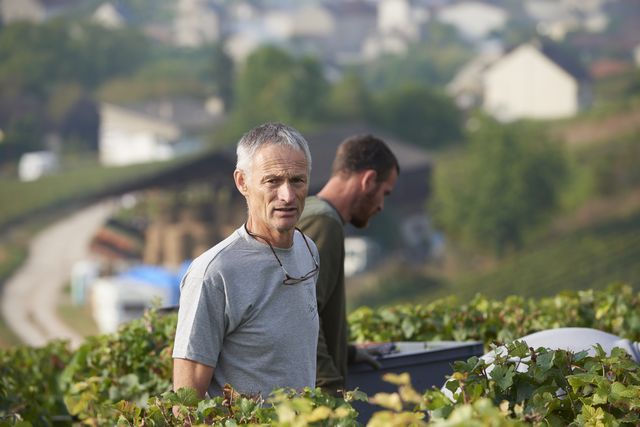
x=328 y=234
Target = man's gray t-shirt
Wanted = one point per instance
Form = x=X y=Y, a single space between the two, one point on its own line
x=237 y=316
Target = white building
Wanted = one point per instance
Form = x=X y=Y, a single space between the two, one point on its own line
x=473 y=19
x=34 y=165
x=197 y=22
x=33 y=10
x=401 y=17
x=525 y=83
x=122 y=298
x=154 y=131
x=467 y=88
x=304 y=21
x=556 y=18
x=360 y=253
x=109 y=16
x=115 y=301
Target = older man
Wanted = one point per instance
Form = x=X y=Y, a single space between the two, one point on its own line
x=248 y=313
x=364 y=173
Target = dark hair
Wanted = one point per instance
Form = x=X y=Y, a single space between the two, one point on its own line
x=362 y=152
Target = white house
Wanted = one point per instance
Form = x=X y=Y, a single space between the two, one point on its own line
x=473 y=19
x=401 y=17
x=355 y=21
x=360 y=253
x=109 y=15
x=467 y=88
x=242 y=44
x=556 y=18
x=525 y=83
x=197 y=22
x=115 y=301
x=400 y=23
x=34 y=165
x=33 y=10
x=154 y=131
x=303 y=21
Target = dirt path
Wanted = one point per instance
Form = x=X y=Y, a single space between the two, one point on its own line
x=30 y=297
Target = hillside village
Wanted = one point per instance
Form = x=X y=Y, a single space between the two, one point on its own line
x=531 y=79
x=180 y=86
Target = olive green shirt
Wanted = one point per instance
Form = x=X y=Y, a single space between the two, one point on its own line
x=322 y=222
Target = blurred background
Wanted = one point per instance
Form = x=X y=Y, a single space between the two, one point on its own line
x=516 y=124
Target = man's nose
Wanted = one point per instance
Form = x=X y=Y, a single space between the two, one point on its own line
x=286 y=193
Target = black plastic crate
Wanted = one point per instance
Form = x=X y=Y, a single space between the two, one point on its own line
x=428 y=364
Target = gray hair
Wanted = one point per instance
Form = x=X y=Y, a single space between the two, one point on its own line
x=269 y=133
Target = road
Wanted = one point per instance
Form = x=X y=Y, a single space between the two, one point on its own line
x=30 y=296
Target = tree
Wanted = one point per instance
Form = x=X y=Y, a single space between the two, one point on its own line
x=350 y=99
x=276 y=86
x=418 y=114
x=36 y=57
x=506 y=183
x=221 y=72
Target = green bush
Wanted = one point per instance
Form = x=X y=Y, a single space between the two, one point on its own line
x=124 y=378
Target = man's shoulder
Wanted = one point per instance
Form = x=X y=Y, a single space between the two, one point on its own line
x=216 y=254
x=317 y=207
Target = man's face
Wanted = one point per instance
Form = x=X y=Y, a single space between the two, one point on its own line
x=276 y=189
x=372 y=201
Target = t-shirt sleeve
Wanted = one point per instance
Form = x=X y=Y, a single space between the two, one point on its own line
x=202 y=319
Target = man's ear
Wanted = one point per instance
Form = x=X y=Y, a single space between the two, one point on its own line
x=368 y=179
x=240 y=179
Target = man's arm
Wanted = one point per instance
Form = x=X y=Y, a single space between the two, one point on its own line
x=187 y=373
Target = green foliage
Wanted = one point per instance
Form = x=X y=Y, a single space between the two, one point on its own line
x=431 y=62
x=21 y=134
x=283 y=408
x=350 y=99
x=507 y=182
x=123 y=379
x=614 y=165
x=35 y=57
x=29 y=383
x=615 y=310
x=592 y=256
x=133 y=364
x=546 y=387
x=171 y=72
x=221 y=71
x=274 y=86
x=419 y=115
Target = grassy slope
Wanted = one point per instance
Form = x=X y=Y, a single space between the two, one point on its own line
x=19 y=198
x=586 y=259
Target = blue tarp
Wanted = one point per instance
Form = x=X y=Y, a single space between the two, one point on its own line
x=158 y=276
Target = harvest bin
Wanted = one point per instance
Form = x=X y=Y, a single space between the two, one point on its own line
x=428 y=363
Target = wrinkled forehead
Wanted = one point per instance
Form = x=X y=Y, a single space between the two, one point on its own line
x=278 y=159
